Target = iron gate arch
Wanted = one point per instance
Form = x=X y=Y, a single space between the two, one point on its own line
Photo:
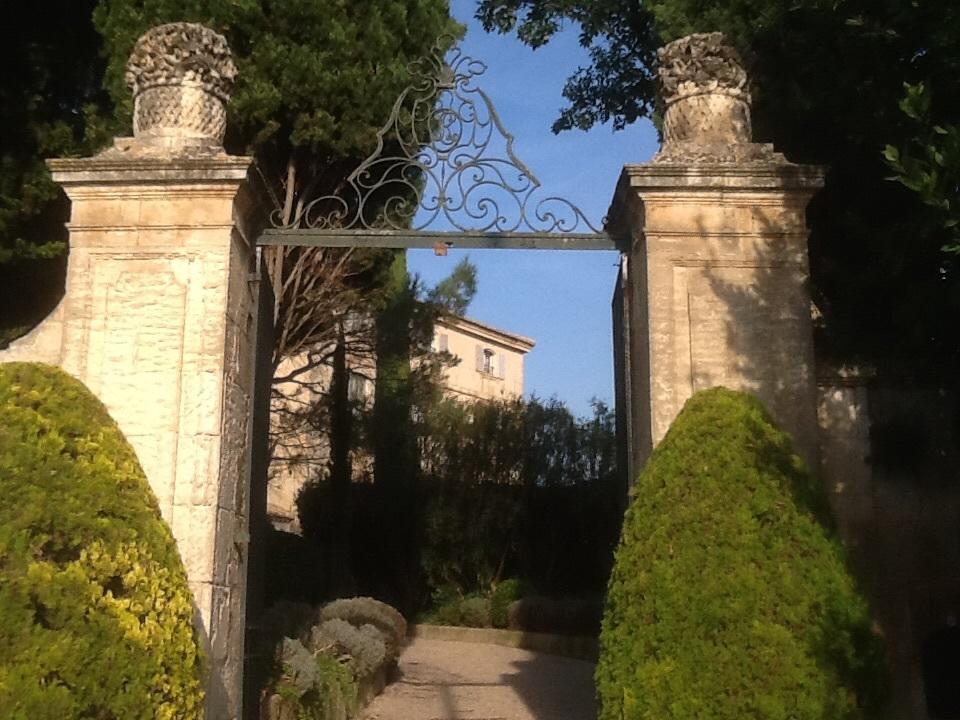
x=436 y=161
x=446 y=128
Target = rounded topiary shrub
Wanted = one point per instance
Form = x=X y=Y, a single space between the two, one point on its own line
x=360 y=611
x=95 y=612
x=504 y=594
x=729 y=596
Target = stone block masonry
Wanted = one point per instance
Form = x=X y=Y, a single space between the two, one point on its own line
x=715 y=236
x=723 y=296
x=158 y=321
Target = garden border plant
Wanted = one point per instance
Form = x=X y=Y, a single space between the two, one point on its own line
x=330 y=661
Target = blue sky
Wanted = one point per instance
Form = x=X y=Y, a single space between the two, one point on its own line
x=559 y=298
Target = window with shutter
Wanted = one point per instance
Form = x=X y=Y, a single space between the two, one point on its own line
x=490 y=362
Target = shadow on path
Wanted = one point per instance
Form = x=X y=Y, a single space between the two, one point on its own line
x=443 y=680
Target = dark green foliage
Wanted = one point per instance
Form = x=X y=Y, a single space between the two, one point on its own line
x=518 y=489
x=504 y=490
x=475 y=612
x=471 y=533
x=451 y=609
x=316 y=79
x=51 y=105
x=512 y=606
x=930 y=163
x=506 y=592
x=445 y=608
x=564 y=615
x=729 y=597
x=827 y=79
x=454 y=293
x=408 y=377
x=95 y=612
x=284 y=576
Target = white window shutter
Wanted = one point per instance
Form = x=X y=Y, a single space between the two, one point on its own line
x=501 y=365
x=444 y=343
x=479 y=359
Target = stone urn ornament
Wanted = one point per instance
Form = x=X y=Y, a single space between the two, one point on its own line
x=705 y=101
x=181 y=75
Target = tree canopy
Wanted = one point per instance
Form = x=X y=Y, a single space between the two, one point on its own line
x=828 y=76
x=51 y=105
x=317 y=80
x=930 y=163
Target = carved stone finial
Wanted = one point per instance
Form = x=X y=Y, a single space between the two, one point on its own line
x=181 y=75
x=706 y=99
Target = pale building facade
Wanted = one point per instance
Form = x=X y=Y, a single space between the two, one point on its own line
x=488 y=364
x=489 y=360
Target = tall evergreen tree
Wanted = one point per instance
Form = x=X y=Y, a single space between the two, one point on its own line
x=316 y=82
x=51 y=105
x=316 y=79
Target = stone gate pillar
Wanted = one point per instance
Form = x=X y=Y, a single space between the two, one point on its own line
x=158 y=317
x=715 y=235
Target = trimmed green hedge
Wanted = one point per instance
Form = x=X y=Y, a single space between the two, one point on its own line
x=505 y=594
x=95 y=611
x=729 y=596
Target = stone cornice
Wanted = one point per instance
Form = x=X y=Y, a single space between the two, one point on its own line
x=482 y=331
x=721 y=176
x=150 y=170
x=687 y=181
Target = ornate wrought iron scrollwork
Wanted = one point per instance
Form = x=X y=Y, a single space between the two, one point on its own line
x=435 y=162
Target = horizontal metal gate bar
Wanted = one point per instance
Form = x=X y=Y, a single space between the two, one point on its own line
x=425 y=239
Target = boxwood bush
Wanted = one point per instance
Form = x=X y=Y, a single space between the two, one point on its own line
x=95 y=612
x=729 y=596
x=505 y=594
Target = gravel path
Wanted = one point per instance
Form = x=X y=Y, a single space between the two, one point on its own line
x=443 y=680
